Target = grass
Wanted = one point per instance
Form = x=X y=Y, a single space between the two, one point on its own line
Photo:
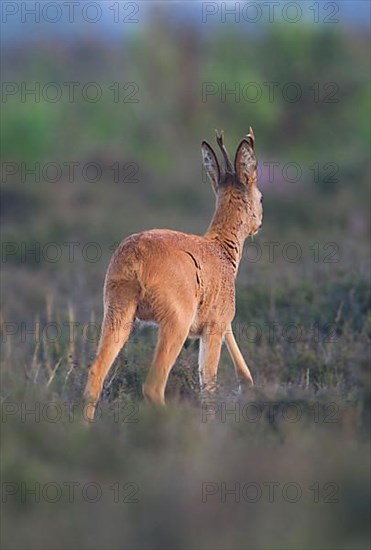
x=284 y=465
x=160 y=479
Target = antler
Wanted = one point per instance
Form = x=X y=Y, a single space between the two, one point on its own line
x=220 y=141
x=251 y=137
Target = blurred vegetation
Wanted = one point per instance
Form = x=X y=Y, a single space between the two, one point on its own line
x=169 y=454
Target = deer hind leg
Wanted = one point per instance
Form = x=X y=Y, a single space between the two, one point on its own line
x=117 y=325
x=209 y=355
x=242 y=370
x=172 y=335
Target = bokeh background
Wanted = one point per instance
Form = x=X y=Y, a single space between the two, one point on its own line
x=109 y=144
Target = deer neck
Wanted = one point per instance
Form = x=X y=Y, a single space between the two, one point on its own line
x=229 y=225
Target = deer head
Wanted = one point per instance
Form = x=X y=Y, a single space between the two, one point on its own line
x=236 y=184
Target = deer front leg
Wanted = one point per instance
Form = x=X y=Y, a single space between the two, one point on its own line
x=242 y=370
x=209 y=355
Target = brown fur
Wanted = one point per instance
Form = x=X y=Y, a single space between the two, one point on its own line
x=185 y=283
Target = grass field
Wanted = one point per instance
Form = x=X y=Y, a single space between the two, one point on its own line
x=283 y=466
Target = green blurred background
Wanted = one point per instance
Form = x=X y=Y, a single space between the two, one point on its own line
x=165 y=75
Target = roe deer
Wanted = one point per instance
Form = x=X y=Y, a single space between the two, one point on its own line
x=185 y=283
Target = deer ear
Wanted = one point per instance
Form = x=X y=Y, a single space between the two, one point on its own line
x=245 y=160
x=211 y=164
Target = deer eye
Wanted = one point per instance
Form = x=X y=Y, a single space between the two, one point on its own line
x=261 y=199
